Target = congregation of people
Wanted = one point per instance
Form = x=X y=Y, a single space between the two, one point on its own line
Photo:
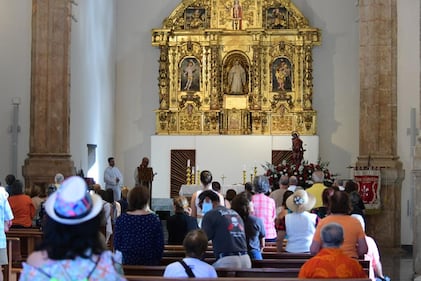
x=90 y=227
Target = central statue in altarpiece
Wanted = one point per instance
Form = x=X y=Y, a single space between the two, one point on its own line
x=240 y=67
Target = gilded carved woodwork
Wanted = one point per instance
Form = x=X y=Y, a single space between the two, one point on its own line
x=235 y=67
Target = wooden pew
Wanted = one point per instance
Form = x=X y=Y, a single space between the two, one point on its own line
x=29 y=237
x=145 y=270
x=160 y=278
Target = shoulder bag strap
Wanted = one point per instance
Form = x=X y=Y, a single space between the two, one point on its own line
x=187 y=268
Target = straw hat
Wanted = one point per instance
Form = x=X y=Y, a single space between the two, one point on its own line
x=72 y=203
x=300 y=201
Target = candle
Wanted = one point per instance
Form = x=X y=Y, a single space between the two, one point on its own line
x=244 y=168
x=188 y=162
x=192 y=170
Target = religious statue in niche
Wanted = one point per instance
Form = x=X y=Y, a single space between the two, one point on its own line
x=281 y=75
x=190 y=75
x=277 y=18
x=237 y=15
x=195 y=18
x=237 y=78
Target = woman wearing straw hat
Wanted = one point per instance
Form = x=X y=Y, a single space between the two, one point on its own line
x=300 y=225
x=73 y=247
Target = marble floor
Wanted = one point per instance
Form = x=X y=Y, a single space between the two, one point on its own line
x=397 y=264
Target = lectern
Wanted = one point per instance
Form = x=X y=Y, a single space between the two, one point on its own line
x=145 y=175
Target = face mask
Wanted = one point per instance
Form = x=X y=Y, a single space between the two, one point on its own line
x=206 y=206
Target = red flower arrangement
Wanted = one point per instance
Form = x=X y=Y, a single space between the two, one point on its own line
x=303 y=172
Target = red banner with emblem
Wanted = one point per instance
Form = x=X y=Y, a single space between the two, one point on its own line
x=369 y=187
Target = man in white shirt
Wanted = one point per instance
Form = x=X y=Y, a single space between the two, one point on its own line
x=195 y=244
x=113 y=179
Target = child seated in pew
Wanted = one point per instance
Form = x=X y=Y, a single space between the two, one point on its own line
x=195 y=244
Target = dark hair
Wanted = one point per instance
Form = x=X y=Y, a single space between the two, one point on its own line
x=138 y=198
x=231 y=193
x=109 y=195
x=62 y=241
x=332 y=235
x=39 y=190
x=287 y=194
x=109 y=159
x=339 y=203
x=195 y=243
x=326 y=194
x=51 y=189
x=351 y=186
x=16 y=188
x=216 y=186
x=210 y=194
x=241 y=203
x=248 y=186
x=205 y=177
x=10 y=179
x=261 y=184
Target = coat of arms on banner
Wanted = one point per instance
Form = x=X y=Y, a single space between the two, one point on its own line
x=369 y=187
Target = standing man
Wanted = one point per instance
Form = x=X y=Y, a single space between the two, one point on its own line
x=226 y=229
x=113 y=179
x=144 y=176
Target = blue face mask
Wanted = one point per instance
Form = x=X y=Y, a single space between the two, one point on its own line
x=206 y=206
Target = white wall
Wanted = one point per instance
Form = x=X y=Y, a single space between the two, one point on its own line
x=93 y=51
x=137 y=84
x=408 y=97
x=15 y=71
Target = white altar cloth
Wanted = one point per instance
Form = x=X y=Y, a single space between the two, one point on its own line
x=188 y=190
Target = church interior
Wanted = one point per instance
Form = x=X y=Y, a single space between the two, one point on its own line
x=218 y=87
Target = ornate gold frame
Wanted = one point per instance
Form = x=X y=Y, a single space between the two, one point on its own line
x=235 y=67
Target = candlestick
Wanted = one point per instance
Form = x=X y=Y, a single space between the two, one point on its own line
x=193 y=176
x=188 y=175
x=244 y=177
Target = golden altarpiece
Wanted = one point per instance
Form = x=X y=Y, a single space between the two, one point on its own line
x=240 y=67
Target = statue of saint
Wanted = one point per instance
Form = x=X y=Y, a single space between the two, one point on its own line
x=297 y=149
x=237 y=78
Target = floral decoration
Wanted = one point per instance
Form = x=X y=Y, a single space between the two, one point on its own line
x=298 y=200
x=303 y=172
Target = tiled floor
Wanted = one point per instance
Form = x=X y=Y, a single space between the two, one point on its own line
x=397 y=264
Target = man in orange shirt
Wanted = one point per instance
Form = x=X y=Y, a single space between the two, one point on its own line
x=331 y=262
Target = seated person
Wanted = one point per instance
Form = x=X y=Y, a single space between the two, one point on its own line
x=195 y=244
x=226 y=230
x=138 y=233
x=181 y=222
x=299 y=225
x=22 y=207
x=376 y=269
x=331 y=262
